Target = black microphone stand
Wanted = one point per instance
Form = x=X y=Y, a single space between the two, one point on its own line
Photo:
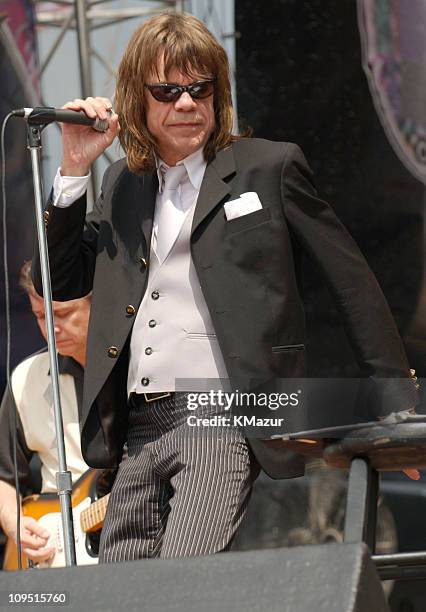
x=63 y=476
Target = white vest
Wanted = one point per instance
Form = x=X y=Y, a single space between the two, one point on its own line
x=173 y=336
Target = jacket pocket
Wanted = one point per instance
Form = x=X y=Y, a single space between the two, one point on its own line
x=200 y=336
x=288 y=348
x=246 y=222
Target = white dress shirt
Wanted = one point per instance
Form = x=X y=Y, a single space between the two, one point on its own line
x=67 y=189
x=188 y=191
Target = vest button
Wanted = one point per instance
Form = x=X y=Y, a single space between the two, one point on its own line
x=130 y=310
x=112 y=351
x=46 y=216
x=148 y=350
x=152 y=323
x=145 y=381
x=155 y=295
x=143 y=263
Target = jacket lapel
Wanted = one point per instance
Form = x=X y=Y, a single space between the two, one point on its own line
x=146 y=210
x=133 y=210
x=133 y=203
x=214 y=188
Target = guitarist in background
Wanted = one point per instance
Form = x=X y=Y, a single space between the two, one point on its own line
x=35 y=422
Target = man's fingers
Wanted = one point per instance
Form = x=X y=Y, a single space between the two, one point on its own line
x=96 y=105
x=78 y=104
x=413 y=474
x=102 y=106
x=114 y=126
x=93 y=107
x=33 y=534
x=34 y=538
x=106 y=101
x=32 y=541
x=42 y=554
x=34 y=526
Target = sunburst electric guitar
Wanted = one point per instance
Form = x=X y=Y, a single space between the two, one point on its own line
x=88 y=517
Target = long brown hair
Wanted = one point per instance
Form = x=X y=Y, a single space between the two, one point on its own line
x=187 y=45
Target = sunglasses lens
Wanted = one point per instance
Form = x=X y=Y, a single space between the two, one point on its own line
x=170 y=93
x=165 y=93
x=202 y=89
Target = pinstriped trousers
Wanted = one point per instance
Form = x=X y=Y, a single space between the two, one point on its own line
x=180 y=490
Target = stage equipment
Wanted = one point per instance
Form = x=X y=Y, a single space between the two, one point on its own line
x=327 y=578
x=41 y=116
x=63 y=476
x=367 y=449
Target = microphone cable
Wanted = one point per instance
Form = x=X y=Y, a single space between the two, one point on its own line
x=12 y=405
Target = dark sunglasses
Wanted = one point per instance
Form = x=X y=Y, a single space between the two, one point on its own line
x=170 y=92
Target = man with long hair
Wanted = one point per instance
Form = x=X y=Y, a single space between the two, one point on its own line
x=191 y=251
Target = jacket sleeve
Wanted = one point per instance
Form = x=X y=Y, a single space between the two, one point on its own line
x=72 y=239
x=364 y=311
x=23 y=453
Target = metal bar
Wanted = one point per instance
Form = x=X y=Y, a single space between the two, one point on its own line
x=65 y=27
x=60 y=2
x=95 y=2
x=112 y=22
x=84 y=55
x=235 y=34
x=107 y=13
x=361 y=503
x=84 y=48
x=400 y=559
x=50 y=23
x=98 y=26
x=372 y=510
x=48 y=17
x=336 y=431
x=109 y=67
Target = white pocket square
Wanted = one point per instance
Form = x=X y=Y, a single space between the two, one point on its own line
x=247 y=203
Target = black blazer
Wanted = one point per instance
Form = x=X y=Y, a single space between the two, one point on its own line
x=247 y=271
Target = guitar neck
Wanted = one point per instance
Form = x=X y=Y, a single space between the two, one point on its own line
x=93 y=517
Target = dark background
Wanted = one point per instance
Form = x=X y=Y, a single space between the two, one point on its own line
x=20 y=221
x=300 y=79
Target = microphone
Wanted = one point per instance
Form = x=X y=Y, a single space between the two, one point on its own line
x=43 y=115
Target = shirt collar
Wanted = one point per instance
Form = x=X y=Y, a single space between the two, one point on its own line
x=195 y=165
x=68 y=365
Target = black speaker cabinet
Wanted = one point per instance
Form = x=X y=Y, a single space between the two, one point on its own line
x=326 y=578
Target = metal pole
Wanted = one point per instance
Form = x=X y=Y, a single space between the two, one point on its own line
x=63 y=476
x=84 y=56
x=84 y=48
x=64 y=29
x=361 y=503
